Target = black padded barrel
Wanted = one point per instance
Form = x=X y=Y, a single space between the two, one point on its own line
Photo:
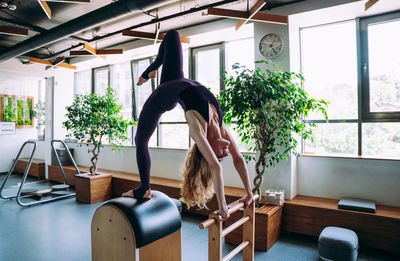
x=151 y=219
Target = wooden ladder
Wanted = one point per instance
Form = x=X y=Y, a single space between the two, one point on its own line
x=216 y=232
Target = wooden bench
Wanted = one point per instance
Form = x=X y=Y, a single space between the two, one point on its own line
x=37 y=167
x=309 y=215
x=123 y=181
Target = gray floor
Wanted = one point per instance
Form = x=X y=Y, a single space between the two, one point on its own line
x=60 y=231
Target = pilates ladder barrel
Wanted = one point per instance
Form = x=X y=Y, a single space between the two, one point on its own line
x=216 y=233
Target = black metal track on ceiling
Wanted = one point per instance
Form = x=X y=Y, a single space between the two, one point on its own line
x=153 y=21
x=79 y=24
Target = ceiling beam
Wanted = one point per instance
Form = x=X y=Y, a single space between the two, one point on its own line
x=260 y=17
x=56 y=63
x=46 y=8
x=253 y=11
x=13 y=30
x=91 y=51
x=37 y=60
x=66 y=65
x=370 y=3
x=99 y=52
x=70 y=1
x=89 y=48
x=150 y=36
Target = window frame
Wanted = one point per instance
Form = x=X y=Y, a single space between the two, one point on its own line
x=101 y=68
x=364 y=114
x=363 y=68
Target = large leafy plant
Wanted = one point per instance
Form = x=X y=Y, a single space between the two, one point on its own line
x=92 y=118
x=269 y=107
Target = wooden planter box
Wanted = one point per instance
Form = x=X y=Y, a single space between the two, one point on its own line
x=267 y=227
x=92 y=189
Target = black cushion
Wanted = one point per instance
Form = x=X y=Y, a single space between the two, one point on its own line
x=151 y=219
x=357 y=204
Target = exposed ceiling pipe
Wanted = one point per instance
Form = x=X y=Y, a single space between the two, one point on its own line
x=84 y=22
x=153 y=21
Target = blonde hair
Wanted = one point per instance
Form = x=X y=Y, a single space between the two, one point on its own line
x=198 y=187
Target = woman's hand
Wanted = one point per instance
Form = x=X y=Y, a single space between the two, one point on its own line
x=141 y=81
x=152 y=74
x=247 y=200
x=224 y=213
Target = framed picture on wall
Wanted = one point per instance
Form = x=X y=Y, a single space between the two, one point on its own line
x=18 y=109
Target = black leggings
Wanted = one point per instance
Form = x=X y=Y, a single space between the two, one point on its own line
x=170 y=57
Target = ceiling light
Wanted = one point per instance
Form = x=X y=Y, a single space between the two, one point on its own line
x=3 y=4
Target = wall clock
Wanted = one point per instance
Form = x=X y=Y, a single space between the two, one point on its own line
x=271 y=45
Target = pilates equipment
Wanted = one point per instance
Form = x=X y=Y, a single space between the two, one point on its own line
x=28 y=189
x=121 y=225
x=216 y=233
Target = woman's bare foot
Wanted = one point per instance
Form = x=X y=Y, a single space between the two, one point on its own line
x=129 y=194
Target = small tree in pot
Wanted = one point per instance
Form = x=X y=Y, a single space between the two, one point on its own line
x=269 y=107
x=91 y=119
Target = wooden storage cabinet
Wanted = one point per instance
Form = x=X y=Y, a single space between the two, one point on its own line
x=267 y=227
x=37 y=167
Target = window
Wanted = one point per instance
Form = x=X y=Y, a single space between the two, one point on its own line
x=83 y=82
x=141 y=93
x=121 y=81
x=101 y=79
x=364 y=96
x=380 y=67
x=208 y=64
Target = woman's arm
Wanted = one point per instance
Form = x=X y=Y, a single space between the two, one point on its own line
x=239 y=163
x=197 y=131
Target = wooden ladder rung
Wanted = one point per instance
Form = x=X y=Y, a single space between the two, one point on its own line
x=235 y=251
x=235 y=225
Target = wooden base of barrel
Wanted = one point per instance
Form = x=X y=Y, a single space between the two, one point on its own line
x=113 y=239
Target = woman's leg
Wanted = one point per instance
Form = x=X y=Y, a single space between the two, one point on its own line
x=147 y=123
x=170 y=57
x=173 y=61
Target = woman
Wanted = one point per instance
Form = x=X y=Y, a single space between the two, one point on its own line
x=203 y=172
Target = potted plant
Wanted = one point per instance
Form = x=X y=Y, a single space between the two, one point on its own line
x=91 y=119
x=269 y=107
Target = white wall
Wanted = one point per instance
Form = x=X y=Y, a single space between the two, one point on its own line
x=20 y=85
x=21 y=79
x=338 y=177
x=362 y=178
